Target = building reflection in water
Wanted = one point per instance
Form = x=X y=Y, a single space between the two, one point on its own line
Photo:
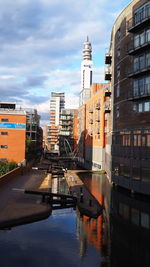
x=130 y=229
x=95 y=231
x=122 y=233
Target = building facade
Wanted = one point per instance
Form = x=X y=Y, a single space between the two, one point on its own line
x=51 y=137
x=12 y=133
x=96 y=127
x=57 y=103
x=130 y=76
x=33 y=130
x=67 y=131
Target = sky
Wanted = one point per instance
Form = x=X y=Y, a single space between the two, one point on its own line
x=41 y=44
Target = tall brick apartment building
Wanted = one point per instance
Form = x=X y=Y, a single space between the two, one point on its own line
x=129 y=76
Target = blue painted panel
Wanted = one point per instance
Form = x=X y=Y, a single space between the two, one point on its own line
x=12 y=125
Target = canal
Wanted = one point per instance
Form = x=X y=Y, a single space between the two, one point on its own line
x=119 y=237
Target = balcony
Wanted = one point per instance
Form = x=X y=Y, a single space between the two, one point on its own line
x=97 y=131
x=90 y=121
x=90 y=110
x=139 y=93
x=65 y=118
x=63 y=123
x=108 y=74
x=133 y=50
x=107 y=93
x=108 y=59
x=97 y=118
x=137 y=70
x=107 y=107
x=97 y=106
x=134 y=26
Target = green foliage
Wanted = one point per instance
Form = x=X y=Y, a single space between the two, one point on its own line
x=7 y=166
x=31 y=149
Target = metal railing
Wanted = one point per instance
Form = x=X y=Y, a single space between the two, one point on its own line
x=134 y=23
x=140 y=92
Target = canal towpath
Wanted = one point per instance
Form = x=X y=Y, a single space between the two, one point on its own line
x=17 y=207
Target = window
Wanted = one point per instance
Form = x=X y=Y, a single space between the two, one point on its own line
x=142 y=13
x=4 y=146
x=118 y=71
x=4 y=120
x=140 y=108
x=137 y=140
x=141 y=86
x=135 y=216
x=148 y=35
x=142 y=38
x=136 y=64
x=118 y=91
x=148 y=140
x=147 y=10
x=144 y=220
x=142 y=62
x=139 y=15
x=136 y=40
x=119 y=33
x=118 y=52
x=117 y=111
x=147 y=85
x=4 y=133
x=3 y=159
x=145 y=175
x=148 y=60
x=147 y=106
x=135 y=87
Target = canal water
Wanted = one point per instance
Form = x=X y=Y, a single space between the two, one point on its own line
x=120 y=237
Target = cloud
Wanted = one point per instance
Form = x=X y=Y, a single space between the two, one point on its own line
x=41 y=47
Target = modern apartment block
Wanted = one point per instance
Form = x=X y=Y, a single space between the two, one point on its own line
x=97 y=108
x=57 y=103
x=12 y=133
x=129 y=75
x=51 y=137
x=67 y=131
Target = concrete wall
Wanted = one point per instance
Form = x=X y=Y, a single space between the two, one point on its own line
x=94 y=157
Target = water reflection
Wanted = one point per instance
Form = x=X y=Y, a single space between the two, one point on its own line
x=125 y=226
x=130 y=229
x=120 y=237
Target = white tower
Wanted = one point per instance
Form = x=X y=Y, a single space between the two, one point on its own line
x=86 y=72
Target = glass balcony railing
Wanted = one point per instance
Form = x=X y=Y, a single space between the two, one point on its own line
x=133 y=48
x=139 y=68
x=136 y=22
x=140 y=92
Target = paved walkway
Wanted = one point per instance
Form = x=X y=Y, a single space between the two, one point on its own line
x=19 y=208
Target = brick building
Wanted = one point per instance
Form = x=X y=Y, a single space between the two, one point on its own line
x=12 y=133
x=129 y=75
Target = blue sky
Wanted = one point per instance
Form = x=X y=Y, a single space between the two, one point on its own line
x=41 y=48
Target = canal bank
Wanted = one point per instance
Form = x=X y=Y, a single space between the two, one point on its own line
x=18 y=208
